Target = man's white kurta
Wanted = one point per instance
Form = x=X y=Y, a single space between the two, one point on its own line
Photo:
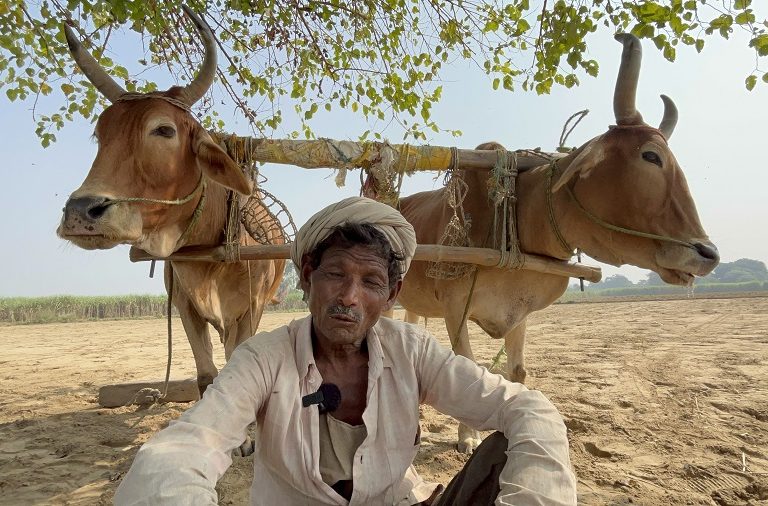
x=267 y=376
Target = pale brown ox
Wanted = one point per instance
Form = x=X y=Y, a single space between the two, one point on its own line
x=626 y=177
x=152 y=148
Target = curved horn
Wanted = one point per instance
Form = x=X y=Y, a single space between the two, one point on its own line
x=91 y=68
x=197 y=88
x=669 y=120
x=626 y=82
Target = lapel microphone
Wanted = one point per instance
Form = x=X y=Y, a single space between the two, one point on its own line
x=327 y=398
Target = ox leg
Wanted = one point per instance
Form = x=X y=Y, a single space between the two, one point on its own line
x=514 y=344
x=199 y=338
x=469 y=438
x=240 y=332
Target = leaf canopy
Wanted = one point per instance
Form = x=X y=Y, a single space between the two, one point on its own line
x=382 y=59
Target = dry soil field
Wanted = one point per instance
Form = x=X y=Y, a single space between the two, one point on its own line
x=666 y=402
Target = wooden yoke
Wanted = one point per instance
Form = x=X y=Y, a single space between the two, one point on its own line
x=430 y=252
x=382 y=160
x=401 y=158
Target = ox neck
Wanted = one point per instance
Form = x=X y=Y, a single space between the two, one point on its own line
x=546 y=219
x=208 y=219
x=195 y=215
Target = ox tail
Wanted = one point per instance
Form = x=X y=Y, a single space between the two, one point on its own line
x=275 y=295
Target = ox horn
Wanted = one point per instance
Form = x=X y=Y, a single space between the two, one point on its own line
x=669 y=120
x=626 y=82
x=91 y=68
x=195 y=90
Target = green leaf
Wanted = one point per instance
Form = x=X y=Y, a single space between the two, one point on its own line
x=746 y=17
x=750 y=82
x=760 y=43
x=669 y=53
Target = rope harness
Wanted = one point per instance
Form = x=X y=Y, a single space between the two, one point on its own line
x=598 y=221
x=502 y=232
x=503 y=194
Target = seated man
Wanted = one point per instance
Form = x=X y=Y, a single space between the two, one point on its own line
x=335 y=396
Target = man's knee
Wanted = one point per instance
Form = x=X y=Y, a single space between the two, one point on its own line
x=493 y=449
x=478 y=482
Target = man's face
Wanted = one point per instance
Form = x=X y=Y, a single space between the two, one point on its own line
x=348 y=291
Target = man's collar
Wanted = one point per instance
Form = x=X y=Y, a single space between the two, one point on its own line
x=375 y=348
x=306 y=358
x=304 y=355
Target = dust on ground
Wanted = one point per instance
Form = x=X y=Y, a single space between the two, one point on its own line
x=666 y=402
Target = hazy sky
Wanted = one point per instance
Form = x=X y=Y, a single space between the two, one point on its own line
x=718 y=141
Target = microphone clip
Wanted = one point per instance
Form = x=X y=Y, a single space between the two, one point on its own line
x=327 y=398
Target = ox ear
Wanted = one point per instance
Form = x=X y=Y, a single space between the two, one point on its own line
x=581 y=165
x=217 y=165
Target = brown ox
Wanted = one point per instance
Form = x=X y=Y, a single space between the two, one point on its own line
x=626 y=177
x=156 y=170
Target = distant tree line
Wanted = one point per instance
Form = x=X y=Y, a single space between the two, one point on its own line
x=743 y=275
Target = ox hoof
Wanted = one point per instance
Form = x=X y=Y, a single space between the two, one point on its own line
x=203 y=382
x=468 y=439
x=245 y=449
x=517 y=375
x=467 y=446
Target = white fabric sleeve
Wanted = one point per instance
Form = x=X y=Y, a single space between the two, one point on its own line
x=182 y=463
x=538 y=469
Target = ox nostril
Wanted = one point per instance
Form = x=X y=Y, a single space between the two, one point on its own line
x=90 y=208
x=97 y=209
x=708 y=251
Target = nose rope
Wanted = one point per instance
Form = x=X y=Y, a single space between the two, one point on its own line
x=176 y=202
x=595 y=219
x=201 y=186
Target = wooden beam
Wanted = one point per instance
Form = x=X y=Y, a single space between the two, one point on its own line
x=402 y=158
x=426 y=252
x=124 y=394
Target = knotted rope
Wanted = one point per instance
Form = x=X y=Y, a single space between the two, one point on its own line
x=551 y=210
x=456 y=231
x=578 y=116
x=149 y=396
x=503 y=194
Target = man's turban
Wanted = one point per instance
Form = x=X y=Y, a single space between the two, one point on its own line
x=387 y=220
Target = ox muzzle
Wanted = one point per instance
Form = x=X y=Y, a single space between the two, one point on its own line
x=81 y=216
x=707 y=251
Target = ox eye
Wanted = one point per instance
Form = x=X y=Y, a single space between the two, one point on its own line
x=164 y=131
x=650 y=156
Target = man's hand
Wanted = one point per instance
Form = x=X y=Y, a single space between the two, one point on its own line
x=435 y=495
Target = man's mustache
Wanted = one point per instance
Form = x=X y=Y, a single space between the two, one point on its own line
x=340 y=309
